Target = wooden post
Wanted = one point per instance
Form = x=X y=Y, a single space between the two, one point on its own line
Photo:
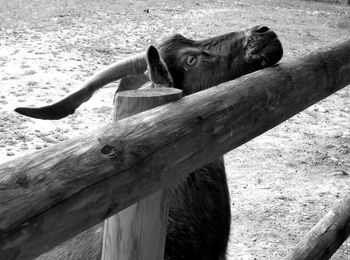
x=324 y=239
x=139 y=231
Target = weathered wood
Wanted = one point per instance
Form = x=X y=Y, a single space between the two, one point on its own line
x=51 y=195
x=138 y=232
x=324 y=239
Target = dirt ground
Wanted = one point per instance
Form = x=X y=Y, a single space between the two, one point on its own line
x=281 y=183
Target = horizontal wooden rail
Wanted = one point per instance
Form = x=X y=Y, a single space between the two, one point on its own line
x=51 y=195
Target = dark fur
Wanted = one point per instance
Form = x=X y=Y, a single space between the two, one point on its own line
x=199 y=210
x=200 y=216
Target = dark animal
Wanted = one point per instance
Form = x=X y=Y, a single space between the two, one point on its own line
x=199 y=217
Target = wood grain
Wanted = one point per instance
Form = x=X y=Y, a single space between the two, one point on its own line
x=51 y=195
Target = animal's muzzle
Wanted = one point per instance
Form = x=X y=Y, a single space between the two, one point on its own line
x=264 y=46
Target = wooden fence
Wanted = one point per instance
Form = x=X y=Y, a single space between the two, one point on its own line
x=51 y=195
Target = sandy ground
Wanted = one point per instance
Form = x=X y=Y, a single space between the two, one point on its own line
x=281 y=183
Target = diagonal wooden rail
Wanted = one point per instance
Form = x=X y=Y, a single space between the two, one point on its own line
x=51 y=195
x=324 y=239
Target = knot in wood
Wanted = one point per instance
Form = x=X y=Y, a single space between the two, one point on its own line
x=110 y=150
x=22 y=180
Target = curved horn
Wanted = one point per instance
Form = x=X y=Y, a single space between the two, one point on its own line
x=129 y=66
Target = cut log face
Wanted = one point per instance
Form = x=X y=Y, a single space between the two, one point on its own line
x=129 y=103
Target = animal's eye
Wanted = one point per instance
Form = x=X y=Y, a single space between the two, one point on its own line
x=191 y=60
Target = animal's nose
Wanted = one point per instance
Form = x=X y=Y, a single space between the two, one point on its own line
x=261 y=29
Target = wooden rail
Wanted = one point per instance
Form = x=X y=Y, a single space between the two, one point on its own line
x=51 y=195
x=324 y=239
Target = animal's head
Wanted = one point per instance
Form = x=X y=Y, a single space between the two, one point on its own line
x=181 y=63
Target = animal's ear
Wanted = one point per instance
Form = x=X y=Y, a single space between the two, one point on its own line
x=157 y=69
